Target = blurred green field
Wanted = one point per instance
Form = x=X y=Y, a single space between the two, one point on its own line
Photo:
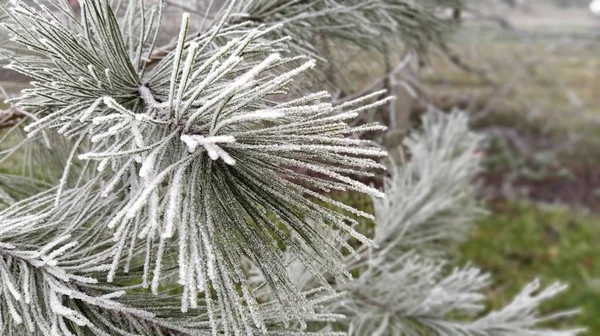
x=521 y=241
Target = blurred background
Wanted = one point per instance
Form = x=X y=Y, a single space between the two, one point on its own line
x=528 y=72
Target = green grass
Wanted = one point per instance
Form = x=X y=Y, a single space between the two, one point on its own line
x=519 y=242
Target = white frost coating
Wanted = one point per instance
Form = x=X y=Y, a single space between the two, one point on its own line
x=173 y=207
x=429 y=204
x=193 y=48
x=210 y=145
x=88 y=112
x=185 y=20
x=253 y=116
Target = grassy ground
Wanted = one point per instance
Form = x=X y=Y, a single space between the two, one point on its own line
x=521 y=241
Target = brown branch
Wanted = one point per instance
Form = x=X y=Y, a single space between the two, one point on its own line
x=457 y=61
x=10 y=117
x=376 y=84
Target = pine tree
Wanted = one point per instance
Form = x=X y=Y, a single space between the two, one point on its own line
x=185 y=190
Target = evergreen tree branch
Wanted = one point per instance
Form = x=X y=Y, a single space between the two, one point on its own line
x=401 y=290
x=201 y=156
x=183 y=181
x=430 y=197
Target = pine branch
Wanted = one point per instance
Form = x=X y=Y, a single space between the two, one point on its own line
x=362 y=23
x=429 y=201
x=430 y=197
x=201 y=155
x=39 y=296
x=184 y=182
x=30 y=245
x=415 y=295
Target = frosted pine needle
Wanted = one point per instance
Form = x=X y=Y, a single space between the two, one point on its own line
x=203 y=122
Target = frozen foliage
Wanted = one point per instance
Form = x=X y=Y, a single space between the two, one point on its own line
x=430 y=198
x=403 y=287
x=356 y=21
x=412 y=295
x=41 y=293
x=330 y=30
x=206 y=165
x=178 y=195
x=43 y=251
